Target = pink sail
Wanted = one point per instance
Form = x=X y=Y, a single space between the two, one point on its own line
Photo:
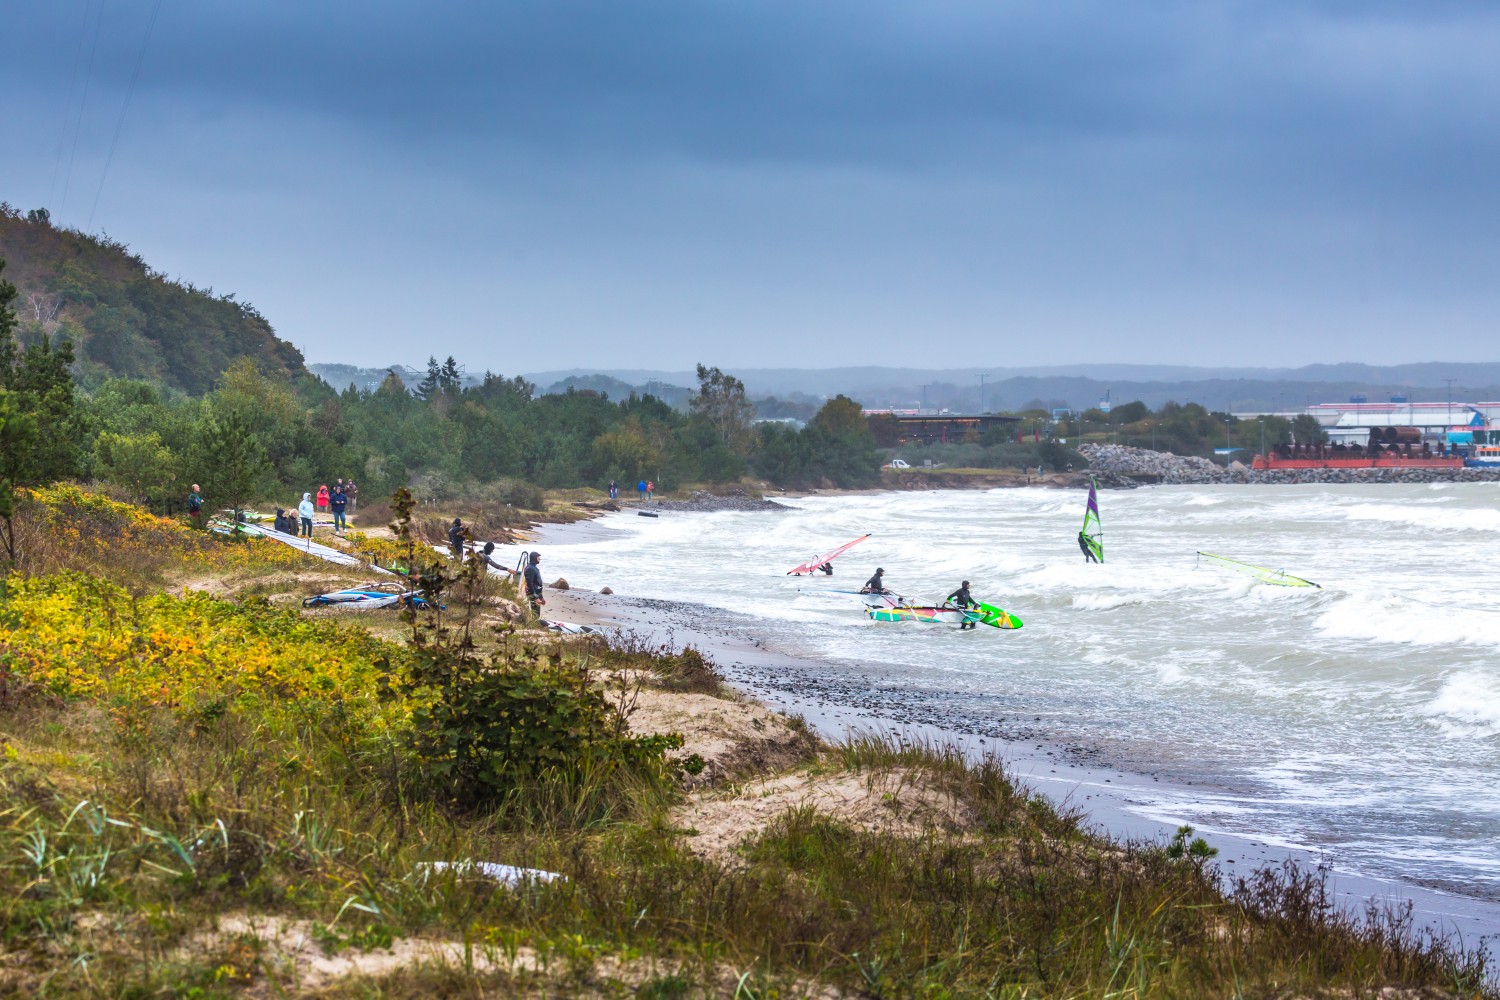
x=812 y=564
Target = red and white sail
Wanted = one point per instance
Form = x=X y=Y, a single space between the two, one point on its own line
x=812 y=564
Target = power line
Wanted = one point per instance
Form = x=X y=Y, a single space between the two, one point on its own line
x=120 y=124
x=62 y=138
x=83 y=104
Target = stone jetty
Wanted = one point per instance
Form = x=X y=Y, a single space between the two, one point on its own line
x=1145 y=465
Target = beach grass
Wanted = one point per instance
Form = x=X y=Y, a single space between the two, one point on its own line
x=207 y=797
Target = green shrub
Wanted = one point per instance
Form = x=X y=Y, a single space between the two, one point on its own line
x=487 y=725
x=481 y=727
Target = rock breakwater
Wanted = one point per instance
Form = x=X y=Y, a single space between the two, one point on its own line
x=1164 y=467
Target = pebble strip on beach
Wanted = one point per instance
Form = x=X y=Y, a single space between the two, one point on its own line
x=702 y=501
x=1164 y=467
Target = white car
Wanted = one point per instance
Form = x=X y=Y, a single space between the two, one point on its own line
x=896 y=463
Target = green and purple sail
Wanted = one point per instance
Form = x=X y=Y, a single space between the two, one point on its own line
x=1093 y=529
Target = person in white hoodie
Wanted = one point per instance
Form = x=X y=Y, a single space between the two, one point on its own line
x=305 y=508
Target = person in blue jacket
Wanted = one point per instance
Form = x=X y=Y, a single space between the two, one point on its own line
x=337 y=502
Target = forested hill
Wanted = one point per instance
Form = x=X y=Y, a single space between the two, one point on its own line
x=125 y=319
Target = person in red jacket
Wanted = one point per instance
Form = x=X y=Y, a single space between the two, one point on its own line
x=323 y=497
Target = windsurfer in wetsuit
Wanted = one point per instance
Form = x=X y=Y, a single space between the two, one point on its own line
x=876 y=584
x=484 y=554
x=827 y=569
x=1088 y=550
x=961 y=598
x=534 y=584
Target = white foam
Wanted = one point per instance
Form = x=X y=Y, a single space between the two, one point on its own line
x=1390 y=618
x=1467 y=704
x=1446 y=519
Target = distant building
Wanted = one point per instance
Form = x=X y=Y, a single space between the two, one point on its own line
x=675 y=396
x=921 y=427
x=1351 y=423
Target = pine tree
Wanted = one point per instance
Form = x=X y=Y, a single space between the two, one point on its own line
x=433 y=382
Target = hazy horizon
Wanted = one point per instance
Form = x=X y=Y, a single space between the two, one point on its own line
x=1212 y=184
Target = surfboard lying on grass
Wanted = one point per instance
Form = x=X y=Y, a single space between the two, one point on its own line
x=1275 y=577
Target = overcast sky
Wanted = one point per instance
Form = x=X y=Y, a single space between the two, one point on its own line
x=755 y=184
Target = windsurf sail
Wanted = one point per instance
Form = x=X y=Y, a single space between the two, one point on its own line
x=919 y=613
x=366 y=597
x=1276 y=577
x=980 y=614
x=1092 y=534
x=572 y=628
x=869 y=600
x=325 y=552
x=818 y=562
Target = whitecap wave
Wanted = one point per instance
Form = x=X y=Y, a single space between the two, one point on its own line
x=1467 y=704
x=1391 y=618
x=1429 y=518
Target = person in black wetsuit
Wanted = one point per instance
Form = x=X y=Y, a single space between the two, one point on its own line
x=1088 y=550
x=456 y=538
x=534 y=584
x=876 y=584
x=827 y=569
x=961 y=598
x=485 y=554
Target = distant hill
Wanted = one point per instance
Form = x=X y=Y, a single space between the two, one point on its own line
x=1081 y=386
x=342 y=377
x=124 y=318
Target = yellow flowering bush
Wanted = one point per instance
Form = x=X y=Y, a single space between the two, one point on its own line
x=379 y=551
x=65 y=526
x=83 y=637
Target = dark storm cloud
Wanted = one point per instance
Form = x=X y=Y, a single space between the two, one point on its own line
x=1080 y=169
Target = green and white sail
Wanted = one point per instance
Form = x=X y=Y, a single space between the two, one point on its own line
x=1092 y=534
x=1275 y=577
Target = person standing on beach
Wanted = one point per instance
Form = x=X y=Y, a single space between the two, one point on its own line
x=337 y=501
x=614 y=489
x=650 y=491
x=305 y=511
x=323 y=497
x=534 y=584
x=352 y=492
x=195 y=507
x=961 y=598
x=875 y=584
x=456 y=538
x=640 y=488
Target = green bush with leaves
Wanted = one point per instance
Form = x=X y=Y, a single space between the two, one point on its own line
x=485 y=726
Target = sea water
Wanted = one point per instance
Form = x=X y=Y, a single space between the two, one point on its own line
x=1361 y=721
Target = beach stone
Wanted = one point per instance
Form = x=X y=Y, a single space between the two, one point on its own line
x=560 y=584
x=605 y=590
